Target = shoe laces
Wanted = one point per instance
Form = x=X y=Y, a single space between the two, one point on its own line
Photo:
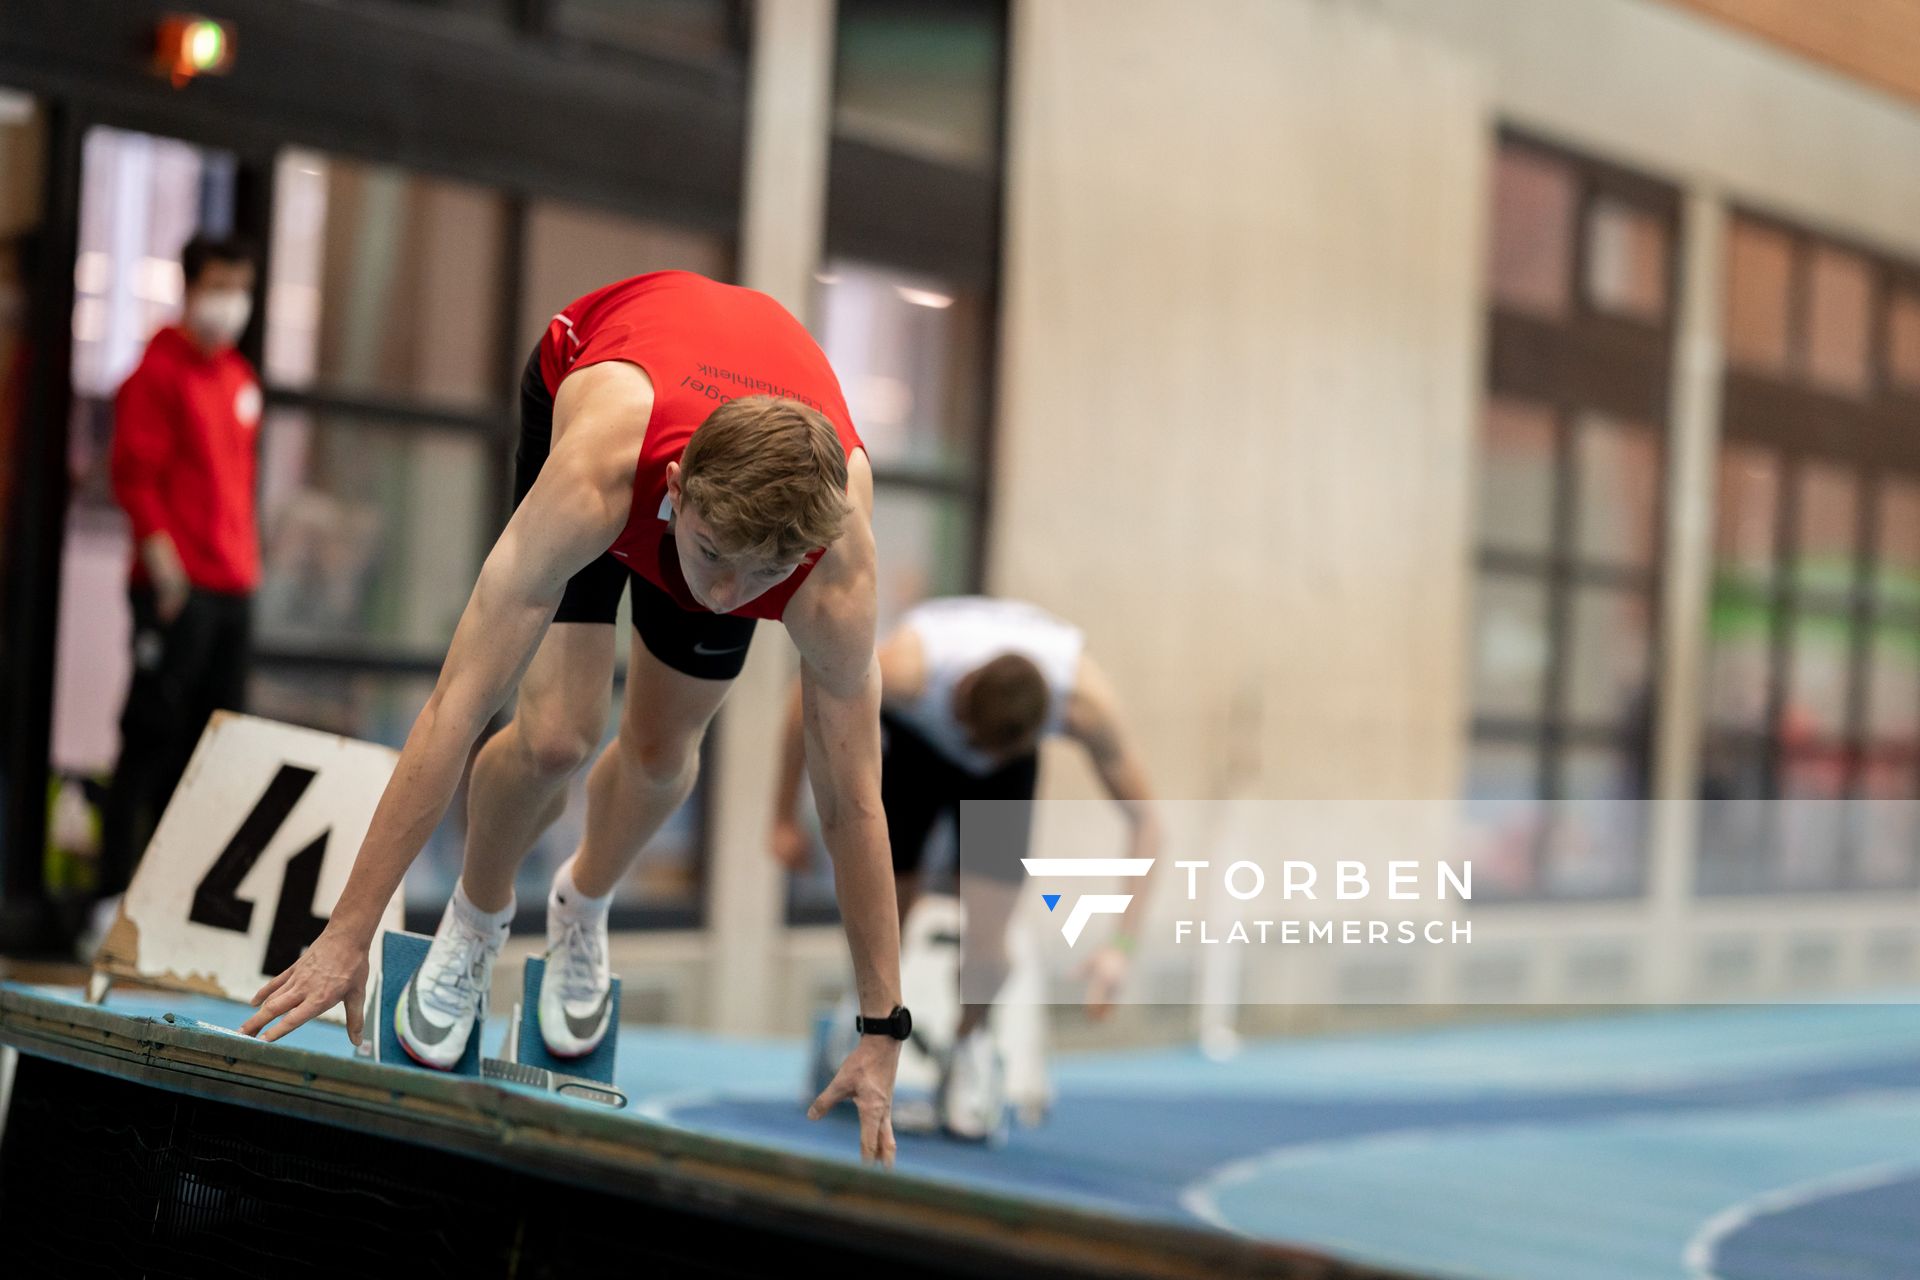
x=456 y=972
x=582 y=960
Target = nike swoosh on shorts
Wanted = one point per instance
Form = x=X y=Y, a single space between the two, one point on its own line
x=705 y=652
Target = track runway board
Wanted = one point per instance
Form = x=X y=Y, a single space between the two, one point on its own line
x=164 y=1149
x=1722 y=1143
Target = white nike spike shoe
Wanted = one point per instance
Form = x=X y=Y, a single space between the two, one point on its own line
x=973 y=1091
x=576 y=987
x=446 y=999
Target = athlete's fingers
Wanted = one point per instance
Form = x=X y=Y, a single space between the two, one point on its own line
x=288 y=998
x=298 y=1018
x=876 y=1132
x=833 y=1093
x=273 y=984
x=356 y=1011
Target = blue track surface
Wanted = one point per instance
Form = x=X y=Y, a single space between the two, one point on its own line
x=1741 y=1143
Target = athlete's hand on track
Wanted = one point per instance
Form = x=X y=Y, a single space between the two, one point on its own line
x=867 y=1077
x=1104 y=972
x=333 y=969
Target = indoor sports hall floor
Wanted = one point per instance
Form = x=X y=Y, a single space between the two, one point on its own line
x=1745 y=1143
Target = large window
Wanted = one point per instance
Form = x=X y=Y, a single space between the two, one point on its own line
x=905 y=304
x=1568 y=515
x=1813 y=689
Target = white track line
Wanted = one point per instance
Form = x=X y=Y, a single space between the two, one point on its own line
x=1699 y=1253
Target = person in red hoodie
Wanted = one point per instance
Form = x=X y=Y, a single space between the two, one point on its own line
x=183 y=464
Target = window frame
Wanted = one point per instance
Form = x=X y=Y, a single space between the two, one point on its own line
x=1872 y=438
x=1589 y=362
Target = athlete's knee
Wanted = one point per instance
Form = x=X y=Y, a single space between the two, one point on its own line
x=550 y=746
x=660 y=759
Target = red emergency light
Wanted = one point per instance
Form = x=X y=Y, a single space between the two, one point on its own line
x=189 y=46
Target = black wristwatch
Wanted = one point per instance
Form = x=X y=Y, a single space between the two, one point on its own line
x=898 y=1024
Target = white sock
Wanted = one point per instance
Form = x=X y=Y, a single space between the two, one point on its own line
x=567 y=900
x=492 y=923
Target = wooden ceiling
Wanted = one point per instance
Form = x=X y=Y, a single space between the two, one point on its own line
x=1874 y=41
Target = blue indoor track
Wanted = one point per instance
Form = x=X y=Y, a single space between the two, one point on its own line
x=1744 y=1143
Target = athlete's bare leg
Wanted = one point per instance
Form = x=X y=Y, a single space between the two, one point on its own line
x=647 y=771
x=519 y=783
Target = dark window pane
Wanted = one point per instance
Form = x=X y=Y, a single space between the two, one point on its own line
x=1608 y=671
x=1740 y=630
x=1626 y=260
x=498 y=10
x=1745 y=512
x=369 y=533
x=1893 y=687
x=920 y=78
x=1759 y=276
x=1903 y=341
x=696 y=29
x=573 y=250
x=1618 y=493
x=384 y=283
x=1816 y=707
x=1516 y=477
x=1839 y=324
x=1531 y=258
x=1897 y=574
x=1736 y=820
x=1510 y=646
x=1828 y=532
x=907 y=350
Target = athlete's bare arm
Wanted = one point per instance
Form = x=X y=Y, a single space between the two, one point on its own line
x=573 y=512
x=903 y=675
x=831 y=619
x=1095 y=722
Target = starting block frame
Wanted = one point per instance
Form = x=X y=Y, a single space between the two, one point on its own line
x=527 y=1046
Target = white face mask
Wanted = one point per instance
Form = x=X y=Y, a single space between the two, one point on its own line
x=218 y=316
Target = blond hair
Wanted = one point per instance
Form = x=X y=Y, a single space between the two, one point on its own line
x=769 y=475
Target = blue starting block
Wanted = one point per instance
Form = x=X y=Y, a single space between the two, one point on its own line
x=526 y=1046
x=401 y=955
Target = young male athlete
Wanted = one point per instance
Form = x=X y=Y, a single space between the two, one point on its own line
x=969 y=687
x=686 y=440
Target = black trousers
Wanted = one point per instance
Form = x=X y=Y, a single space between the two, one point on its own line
x=183 y=671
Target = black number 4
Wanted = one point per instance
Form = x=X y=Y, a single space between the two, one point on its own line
x=216 y=900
